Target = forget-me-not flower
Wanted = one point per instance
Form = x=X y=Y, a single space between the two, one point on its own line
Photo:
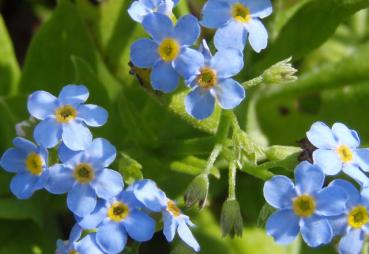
x=30 y=163
x=87 y=245
x=303 y=207
x=353 y=224
x=65 y=118
x=210 y=79
x=237 y=20
x=338 y=151
x=140 y=8
x=169 y=44
x=117 y=218
x=154 y=199
x=85 y=176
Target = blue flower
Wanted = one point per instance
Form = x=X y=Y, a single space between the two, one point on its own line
x=87 y=245
x=303 y=207
x=65 y=118
x=210 y=79
x=30 y=163
x=338 y=151
x=154 y=199
x=140 y=8
x=168 y=45
x=84 y=175
x=116 y=218
x=353 y=224
x=237 y=20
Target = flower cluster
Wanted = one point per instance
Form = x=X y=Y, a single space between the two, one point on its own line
x=95 y=193
x=169 y=55
x=321 y=213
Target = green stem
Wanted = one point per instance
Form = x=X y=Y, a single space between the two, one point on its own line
x=365 y=249
x=212 y=158
x=253 y=82
x=232 y=181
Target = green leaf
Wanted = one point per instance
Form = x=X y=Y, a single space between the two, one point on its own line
x=9 y=69
x=193 y=165
x=308 y=28
x=130 y=168
x=48 y=64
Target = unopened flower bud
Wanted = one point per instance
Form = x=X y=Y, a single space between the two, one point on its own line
x=197 y=191
x=280 y=72
x=231 y=219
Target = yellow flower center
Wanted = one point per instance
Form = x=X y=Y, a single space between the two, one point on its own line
x=358 y=217
x=304 y=205
x=34 y=164
x=73 y=252
x=207 y=78
x=169 y=49
x=345 y=154
x=65 y=114
x=84 y=173
x=173 y=209
x=118 y=211
x=241 y=13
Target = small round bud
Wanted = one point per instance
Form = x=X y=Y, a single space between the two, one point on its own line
x=281 y=72
x=197 y=191
x=231 y=220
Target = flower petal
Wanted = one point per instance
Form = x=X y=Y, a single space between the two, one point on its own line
x=140 y=226
x=93 y=115
x=170 y=226
x=24 y=145
x=24 y=184
x=321 y=136
x=361 y=158
x=41 y=104
x=186 y=235
x=308 y=178
x=101 y=152
x=47 y=133
x=144 y=53
x=73 y=94
x=232 y=35
x=108 y=183
x=229 y=93
x=163 y=77
x=316 y=230
x=66 y=155
x=13 y=160
x=352 y=242
x=73 y=141
x=92 y=221
x=356 y=174
x=279 y=192
x=215 y=14
x=187 y=30
x=88 y=245
x=353 y=194
x=258 y=35
x=260 y=8
x=188 y=64
x=227 y=62
x=199 y=103
x=138 y=11
x=81 y=199
x=158 y=25
x=339 y=224
x=283 y=226
x=111 y=237
x=344 y=135
x=60 y=179
x=149 y=194
x=328 y=161
x=331 y=201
